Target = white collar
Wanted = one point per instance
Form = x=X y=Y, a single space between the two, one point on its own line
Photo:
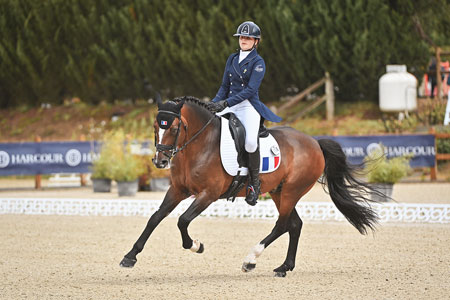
x=243 y=54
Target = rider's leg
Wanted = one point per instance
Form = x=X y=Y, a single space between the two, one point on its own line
x=254 y=185
x=251 y=121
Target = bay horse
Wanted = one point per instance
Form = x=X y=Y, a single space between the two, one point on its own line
x=187 y=139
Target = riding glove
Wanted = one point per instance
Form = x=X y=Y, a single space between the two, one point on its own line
x=217 y=106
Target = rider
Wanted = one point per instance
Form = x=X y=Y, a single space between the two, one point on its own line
x=238 y=93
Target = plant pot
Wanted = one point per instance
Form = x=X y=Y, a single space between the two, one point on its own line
x=159 y=184
x=127 y=188
x=384 y=188
x=101 y=185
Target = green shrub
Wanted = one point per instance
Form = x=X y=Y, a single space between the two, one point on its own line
x=116 y=159
x=443 y=145
x=379 y=169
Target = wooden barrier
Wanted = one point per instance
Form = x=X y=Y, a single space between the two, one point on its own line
x=328 y=98
x=439 y=156
x=38 y=177
x=83 y=180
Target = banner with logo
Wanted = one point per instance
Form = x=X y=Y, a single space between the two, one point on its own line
x=47 y=157
x=422 y=147
x=77 y=157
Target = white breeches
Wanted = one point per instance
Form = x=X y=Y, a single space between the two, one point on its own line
x=250 y=118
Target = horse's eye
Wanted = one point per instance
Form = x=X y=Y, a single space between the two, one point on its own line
x=173 y=130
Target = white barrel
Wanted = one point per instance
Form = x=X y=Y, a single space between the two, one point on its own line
x=398 y=90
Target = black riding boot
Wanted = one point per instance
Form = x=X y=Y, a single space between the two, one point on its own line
x=254 y=184
x=262 y=129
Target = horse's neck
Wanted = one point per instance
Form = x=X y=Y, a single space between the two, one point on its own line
x=197 y=122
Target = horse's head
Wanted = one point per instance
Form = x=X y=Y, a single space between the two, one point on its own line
x=168 y=125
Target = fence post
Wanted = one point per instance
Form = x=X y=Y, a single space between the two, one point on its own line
x=83 y=180
x=438 y=74
x=433 y=170
x=329 y=91
x=37 y=177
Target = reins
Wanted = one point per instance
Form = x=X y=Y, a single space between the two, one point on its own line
x=194 y=136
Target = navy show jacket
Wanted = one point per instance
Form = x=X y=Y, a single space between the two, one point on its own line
x=241 y=81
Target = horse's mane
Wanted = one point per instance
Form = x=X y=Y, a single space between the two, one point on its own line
x=193 y=100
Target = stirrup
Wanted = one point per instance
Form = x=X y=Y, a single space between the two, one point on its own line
x=251 y=197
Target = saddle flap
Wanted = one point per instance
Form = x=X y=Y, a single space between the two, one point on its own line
x=268 y=147
x=237 y=131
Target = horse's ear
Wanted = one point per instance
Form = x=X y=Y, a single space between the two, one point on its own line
x=180 y=105
x=158 y=99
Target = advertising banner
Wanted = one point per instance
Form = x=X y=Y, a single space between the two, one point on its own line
x=422 y=147
x=47 y=157
x=77 y=157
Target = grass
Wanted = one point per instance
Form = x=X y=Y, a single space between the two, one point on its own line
x=365 y=114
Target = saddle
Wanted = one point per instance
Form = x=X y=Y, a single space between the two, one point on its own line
x=234 y=157
x=237 y=131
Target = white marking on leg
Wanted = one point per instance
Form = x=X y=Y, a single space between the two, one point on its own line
x=195 y=246
x=254 y=254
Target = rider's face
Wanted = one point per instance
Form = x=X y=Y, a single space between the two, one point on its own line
x=246 y=43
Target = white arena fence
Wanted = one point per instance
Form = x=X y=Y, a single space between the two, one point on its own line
x=308 y=211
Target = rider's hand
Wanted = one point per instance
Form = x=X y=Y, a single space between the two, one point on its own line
x=217 y=106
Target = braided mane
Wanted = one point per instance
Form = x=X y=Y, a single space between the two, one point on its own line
x=193 y=100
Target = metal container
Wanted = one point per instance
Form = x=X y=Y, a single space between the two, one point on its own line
x=398 y=90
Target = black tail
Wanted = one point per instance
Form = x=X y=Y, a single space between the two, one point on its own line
x=350 y=195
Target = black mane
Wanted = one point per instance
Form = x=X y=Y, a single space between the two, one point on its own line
x=193 y=100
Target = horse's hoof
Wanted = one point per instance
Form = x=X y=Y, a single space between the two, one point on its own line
x=201 y=249
x=280 y=274
x=247 y=267
x=128 y=262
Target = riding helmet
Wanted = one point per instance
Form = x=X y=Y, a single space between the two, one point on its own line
x=250 y=29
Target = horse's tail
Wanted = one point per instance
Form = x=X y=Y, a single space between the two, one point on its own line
x=350 y=195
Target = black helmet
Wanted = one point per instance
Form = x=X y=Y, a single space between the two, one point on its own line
x=250 y=29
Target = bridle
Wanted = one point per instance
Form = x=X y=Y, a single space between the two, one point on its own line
x=170 y=151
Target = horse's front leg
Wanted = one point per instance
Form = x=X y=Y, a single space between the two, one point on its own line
x=202 y=201
x=171 y=200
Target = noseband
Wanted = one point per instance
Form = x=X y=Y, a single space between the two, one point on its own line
x=170 y=151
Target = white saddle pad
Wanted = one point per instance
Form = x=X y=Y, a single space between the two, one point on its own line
x=268 y=149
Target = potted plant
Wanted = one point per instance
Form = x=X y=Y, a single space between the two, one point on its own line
x=101 y=170
x=383 y=173
x=126 y=166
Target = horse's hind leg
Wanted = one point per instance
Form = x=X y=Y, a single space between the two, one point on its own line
x=170 y=201
x=294 y=228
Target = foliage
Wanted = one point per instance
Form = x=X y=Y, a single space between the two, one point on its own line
x=53 y=50
x=116 y=158
x=394 y=125
x=264 y=197
x=379 y=169
x=102 y=167
x=431 y=111
x=443 y=145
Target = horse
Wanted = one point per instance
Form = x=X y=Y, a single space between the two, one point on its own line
x=187 y=138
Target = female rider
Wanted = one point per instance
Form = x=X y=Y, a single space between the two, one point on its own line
x=238 y=93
